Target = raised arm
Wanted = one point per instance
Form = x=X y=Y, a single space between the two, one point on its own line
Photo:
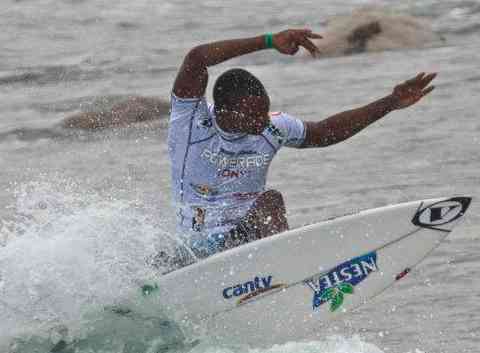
x=192 y=78
x=344 y=125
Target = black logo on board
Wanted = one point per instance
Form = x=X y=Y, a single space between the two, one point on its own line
x=440 y=213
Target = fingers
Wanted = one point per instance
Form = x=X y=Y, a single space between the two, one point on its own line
x=416 y=79
x=413 y=90
x=289 y=41
x=308 y=33
x=427 y=90
x=420 y=76
x=314 y=35
x=428 y=78
x=302 y=38
x=422 y=80
x=312 y=48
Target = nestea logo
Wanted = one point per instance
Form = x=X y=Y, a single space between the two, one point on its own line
x=332 y=286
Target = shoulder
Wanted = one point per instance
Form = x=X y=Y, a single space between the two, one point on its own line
x=187 y=108
x=289 y=127
x=281 y=119
x=275 y=132
x=284 y=122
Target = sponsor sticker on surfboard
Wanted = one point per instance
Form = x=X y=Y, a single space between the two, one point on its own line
x=441 y=213
x=251 y=289
x=336 y=284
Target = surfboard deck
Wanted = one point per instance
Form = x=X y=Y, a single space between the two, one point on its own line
x=280 y=288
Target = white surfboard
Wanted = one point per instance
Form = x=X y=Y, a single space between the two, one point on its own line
x=279 y=289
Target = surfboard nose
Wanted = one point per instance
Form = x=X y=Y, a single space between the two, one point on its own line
x=441 y=215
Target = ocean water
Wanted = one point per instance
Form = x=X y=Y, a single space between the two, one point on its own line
x=80 y=210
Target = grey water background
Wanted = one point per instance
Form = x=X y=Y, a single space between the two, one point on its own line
x=80 y=210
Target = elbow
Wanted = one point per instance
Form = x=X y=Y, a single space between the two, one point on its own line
x=196 y=56
x=320 y=135
x=319 y=143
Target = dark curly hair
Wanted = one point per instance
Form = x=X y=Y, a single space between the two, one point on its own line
x=233 y=84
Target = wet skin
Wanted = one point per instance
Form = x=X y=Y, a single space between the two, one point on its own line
x=248 y=115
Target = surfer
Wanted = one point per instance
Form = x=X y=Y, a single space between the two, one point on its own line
x=220 y=153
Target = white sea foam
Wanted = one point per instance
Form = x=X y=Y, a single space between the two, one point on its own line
x=70 y=252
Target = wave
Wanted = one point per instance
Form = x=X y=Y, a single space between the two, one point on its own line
x=32 y=134
x=84 y=104
x=51 y=74
x=466 y=30
x=376 y=29
x=66 y=253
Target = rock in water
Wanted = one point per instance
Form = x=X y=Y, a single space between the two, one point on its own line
x=132 y=110
x=376 y=29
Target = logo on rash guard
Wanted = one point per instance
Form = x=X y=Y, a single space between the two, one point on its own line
x=206 y=123
x=275 y=132
x=222 y=161
x=204 y=190
x=228 y=173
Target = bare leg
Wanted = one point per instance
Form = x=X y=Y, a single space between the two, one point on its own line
x=266 y=217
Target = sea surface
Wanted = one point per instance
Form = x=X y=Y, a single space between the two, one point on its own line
x=81 y=209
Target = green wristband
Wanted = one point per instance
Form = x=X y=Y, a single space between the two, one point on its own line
x=269 y=40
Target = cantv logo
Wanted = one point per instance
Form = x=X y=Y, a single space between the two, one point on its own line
x=253 y=289
x=257 y=283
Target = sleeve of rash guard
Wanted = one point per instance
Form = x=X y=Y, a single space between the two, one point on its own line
x=183 y=114
x=186 y=108
x=292 y=129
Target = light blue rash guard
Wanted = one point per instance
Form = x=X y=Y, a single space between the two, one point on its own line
x=216 y=176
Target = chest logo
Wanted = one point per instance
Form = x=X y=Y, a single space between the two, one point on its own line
x=243 y=161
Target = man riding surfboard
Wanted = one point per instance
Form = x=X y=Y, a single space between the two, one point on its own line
x=221 y=152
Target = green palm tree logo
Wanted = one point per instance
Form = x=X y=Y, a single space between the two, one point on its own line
x=335 y=295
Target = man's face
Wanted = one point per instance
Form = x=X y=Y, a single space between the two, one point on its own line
x=249 y=115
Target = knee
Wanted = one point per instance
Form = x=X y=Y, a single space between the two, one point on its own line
x=271 y=198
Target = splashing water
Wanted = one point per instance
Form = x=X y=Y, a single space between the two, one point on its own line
x=69 y=253
x=70 y=256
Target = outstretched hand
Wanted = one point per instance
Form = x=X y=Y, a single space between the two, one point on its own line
x=289 y=41
x=411 y=91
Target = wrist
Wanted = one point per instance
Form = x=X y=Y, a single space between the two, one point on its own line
x=391 y=103
x=268 y=38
